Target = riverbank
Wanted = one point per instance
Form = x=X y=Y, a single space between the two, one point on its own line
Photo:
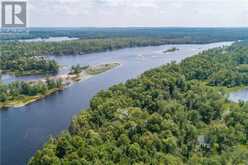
x=67 y=80
x=25 y=100
x=26 y=73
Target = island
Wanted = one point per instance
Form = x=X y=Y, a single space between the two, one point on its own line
x=174 y=49
x=18 y=94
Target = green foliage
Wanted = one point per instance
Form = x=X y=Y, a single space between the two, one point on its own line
x=76 y=69
x=220 y=67
x=20 y=89
x=24 y=58
x=166 y=116
x=15 y=60
x=173 y=35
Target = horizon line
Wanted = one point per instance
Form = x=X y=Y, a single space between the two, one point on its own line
x=137 y=27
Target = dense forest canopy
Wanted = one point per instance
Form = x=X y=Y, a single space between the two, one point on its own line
x=27 y=65
x=81 y=46
x=220 y=67
x=170 y=115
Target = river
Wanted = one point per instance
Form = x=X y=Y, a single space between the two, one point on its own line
x=26 y=129
x=50 y=39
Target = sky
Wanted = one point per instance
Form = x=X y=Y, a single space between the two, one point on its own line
x=138 y=13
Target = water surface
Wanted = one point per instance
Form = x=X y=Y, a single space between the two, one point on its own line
x=50 y=39
x=26 y=129
x=239 y=96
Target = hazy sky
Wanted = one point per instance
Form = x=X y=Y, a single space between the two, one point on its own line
x=147 y=13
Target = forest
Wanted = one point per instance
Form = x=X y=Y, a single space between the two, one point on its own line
x=81 y=46
x=175 y=114
x=19 y=90
x=219 y=67
x=22 y=65
x=194 y=35
x=22 y=58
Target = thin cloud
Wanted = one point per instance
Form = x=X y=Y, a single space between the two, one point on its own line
x=139 y=12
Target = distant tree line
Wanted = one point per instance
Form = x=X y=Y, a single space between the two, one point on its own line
x=24 y=58
x=192 y=35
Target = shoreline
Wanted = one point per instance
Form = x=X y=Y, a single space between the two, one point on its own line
x=104 y=51
x=68 y=81
x=27 y=99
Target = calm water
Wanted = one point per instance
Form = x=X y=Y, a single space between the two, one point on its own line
x=26 y=129
x=50 y=39
x=239 y=96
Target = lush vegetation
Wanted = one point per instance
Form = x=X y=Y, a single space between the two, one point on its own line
x=22 y=65
x=166 y=116
x=78 y=46
x=220 y=67
x=17 y=59
x=29 y=58
x=20 y=92
x=76 y=69
x=179 y=35
x=94 y=70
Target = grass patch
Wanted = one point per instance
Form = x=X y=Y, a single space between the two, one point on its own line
x=101 y=68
